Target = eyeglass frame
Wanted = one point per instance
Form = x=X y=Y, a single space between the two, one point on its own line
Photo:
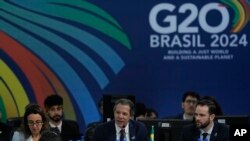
x=37 y=123
x=191 y=101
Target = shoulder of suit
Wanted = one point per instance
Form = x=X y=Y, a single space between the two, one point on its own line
x=221 y=126
x=69 y=123
x=134 y=123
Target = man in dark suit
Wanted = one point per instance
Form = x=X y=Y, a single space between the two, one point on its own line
x=68 y=129
x=205 y=129
x=122 y=127
x=5 y=130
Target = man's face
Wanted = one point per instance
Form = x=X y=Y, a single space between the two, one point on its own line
x=189 y=105
x=122 y=115
x=55 y=113
x=202 y=117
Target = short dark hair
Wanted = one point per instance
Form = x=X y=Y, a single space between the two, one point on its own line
x=140 y=109
x=124 y=101
x=210 y=104
x=53 y=100
x=190 y=93
x=150 y=111
x=219 y=111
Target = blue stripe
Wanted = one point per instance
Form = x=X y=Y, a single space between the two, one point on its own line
x=69 y=77
x=84 y=59
x=97 y=45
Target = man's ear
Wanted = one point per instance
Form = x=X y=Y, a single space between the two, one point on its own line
x=182 y=105
x=212 y=116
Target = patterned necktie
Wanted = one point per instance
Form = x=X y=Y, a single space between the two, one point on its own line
x=204 y=135
x=56 y=130
x=122 y=134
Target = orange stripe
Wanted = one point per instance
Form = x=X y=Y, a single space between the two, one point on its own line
x=35 y=70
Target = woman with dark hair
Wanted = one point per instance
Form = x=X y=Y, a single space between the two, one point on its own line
x=34 y=122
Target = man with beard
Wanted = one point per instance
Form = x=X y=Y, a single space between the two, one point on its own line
x=69 y=130
x=205 y=129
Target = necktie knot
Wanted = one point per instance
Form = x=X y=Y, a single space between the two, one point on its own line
x=56 y=130
x=204 y=135
x=122 y=134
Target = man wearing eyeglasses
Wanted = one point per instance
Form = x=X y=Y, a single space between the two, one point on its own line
x=69 y=130
x=189 y=101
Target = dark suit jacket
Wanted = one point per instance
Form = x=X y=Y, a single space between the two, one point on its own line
x=5 y=132
x=70 y=130
x=220 y=132
x=107 y=132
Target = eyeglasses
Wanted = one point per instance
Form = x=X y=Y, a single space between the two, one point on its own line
x=191 y=101
x=37 y=123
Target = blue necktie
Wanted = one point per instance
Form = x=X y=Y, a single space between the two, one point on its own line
x=204 y=135
x=122 y=134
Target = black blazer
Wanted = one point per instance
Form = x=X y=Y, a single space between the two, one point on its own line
x=107 y=132
x=220 y=132
x=5 y=132
x=70 y=130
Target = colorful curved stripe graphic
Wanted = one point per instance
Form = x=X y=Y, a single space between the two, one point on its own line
x=46 y=48
x=241 y=10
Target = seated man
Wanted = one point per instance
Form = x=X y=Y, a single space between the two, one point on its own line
x=189 y=100
x=122 y=127
x=5 y=131
x=68 y=129
x=204 y=128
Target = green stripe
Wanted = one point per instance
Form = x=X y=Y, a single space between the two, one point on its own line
x=236 y=11
x=89 y=7
x=89 y=20
x=3 y=111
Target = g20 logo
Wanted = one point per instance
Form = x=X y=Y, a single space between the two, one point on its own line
x=185 y=26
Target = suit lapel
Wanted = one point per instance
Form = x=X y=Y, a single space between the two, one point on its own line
x=62 y=128
x=113 y=133
x=214 y=133
x=131 y=132
x=197 y=133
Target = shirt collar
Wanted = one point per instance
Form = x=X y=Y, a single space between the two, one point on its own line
x=117 y=128
x=209 y=130
x=59 y=126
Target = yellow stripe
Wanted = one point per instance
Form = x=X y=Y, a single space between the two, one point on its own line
x=19 y=95
x=242 y=17
x=8 y=101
